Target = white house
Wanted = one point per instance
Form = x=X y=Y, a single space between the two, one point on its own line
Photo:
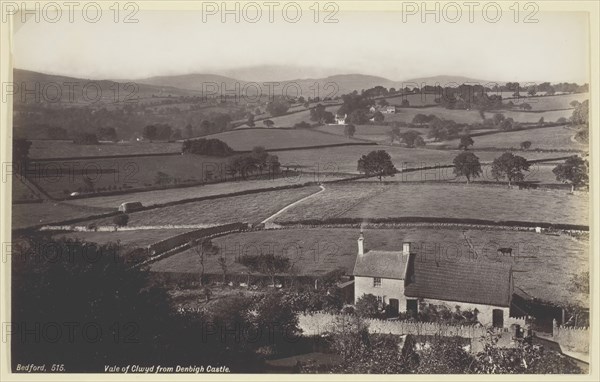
x=340 y=119
x=399 y=279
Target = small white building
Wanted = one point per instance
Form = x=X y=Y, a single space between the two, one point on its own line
x=400 y=279
x=341 y=119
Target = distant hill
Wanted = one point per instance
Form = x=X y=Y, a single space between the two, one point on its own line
x=71 y=89
x=195 y=81
x=444 y=80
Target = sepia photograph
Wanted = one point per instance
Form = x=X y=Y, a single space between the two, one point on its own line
x=261 y=189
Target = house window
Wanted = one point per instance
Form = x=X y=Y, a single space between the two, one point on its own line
x=380 y=300
x=377 y=282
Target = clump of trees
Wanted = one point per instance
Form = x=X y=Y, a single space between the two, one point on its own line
x=121 y=220
x=266 y=263
x=259 y=160
x=525 y=145
x=158 y=132
x=210 y=147
x=574 y=172
x=320 y=115
x=85 y=139
x=278 y=107
x=467 y=164
x=412 y=139
x=349 y=130
x=376 y=163
x=465 y=142
x=511 y=167
x=581 y=113
x=302 y=125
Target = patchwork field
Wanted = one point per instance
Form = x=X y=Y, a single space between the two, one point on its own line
x=21 y=192
x=246 y=139
x=442 y=200
x=543 y=264
x=60 y=178
x=553 y=102
x=31 y=214
x=529 y=117
x=344 y=159
x=148 y=198
x=546 y=138
x=132 y=239
x=375 y=133
x=66 y=149
x=251 y=208
x=458 y=116
x=424 y=99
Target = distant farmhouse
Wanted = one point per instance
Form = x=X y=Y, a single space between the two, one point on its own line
x=340 y=119
x=388 y=109
x=400 y=279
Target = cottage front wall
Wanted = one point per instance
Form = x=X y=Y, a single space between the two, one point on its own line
x=390 y=288
x=485 y=311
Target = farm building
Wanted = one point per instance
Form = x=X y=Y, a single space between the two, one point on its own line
x=400 y=279
x=390 y=109
x=340 y=119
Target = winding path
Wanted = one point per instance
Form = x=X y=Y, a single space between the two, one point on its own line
x=292 y=205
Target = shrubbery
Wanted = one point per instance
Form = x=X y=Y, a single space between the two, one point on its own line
x=208 y=147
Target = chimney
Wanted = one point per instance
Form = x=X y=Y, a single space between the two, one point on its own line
x=361 y=244
x=406 y=248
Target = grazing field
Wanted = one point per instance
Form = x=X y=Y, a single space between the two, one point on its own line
x=424 y=99
x=67 y=149
x=548 y=138
x=445 y=201
x=31 y=214
x=529 y=117
x=246 y=139
x=543 y=264
x=458 y=116
x=552 y=102
x=60 y=178
x=375 y=133
x=20 y=191
x=130 y=238
x=344 y=159
x=251 y=208
x=148 y=198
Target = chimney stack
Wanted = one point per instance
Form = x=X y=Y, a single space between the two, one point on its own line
x=361 y=244
x=406 y=248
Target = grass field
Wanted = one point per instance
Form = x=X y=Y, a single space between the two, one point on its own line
x=20 y=191
x=246 y=139
x=344 y=159
x=148 y=198
x=66 y=149
x=552 y=138
x=251 y=208
x=375 y=133
x=552 y=102
x=30 y=214
x=458 y=116
x=544 y=264
x=443 y=200
x=63 y=177
x=529 y=117
x=132 y=239
x=414 y=99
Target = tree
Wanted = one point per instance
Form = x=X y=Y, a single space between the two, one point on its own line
x=581 y=113
x=204 y=248
x=378 y=117
x=108 y=134
x=367 y=306
x=377 y=163
x=349 y=130
x=412 y=139
x=532 y=91
x=268 y=264
x=525 y=145
x=394 y=134
x=498 y=118
x=162 y=178
x=121 y=220
x=150 y=132
x=302 y=125
x=250 y=121
x=383 y=102
x=465 y=142
x=85 y=139
x=573 y=171
x=208 y=147
x=358 y=117
x=541 y=121
x=405 y=103
x=509 y=166
x=278 y=107
x=268 y=123
x=467 y=164
x=444 y=355
x=223 y=265
x=189 y=131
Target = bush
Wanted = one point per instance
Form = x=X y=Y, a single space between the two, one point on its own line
x=121 y=220
x=209 y=147
x=85 y=139
x=367 y=306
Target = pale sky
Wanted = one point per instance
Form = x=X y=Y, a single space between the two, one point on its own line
x=555 y=49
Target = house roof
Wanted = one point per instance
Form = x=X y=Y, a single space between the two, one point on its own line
x=386 y=264
x=477 y=282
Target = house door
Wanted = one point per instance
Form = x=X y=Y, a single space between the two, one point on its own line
x=394 y=307
x=411 y=306
x=498 y=318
